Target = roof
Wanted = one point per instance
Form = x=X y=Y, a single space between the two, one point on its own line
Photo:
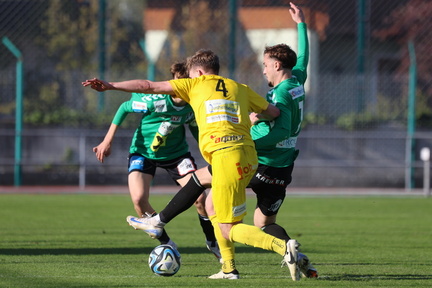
x=156 y=18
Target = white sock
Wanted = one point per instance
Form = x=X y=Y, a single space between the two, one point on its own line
x=155 y=221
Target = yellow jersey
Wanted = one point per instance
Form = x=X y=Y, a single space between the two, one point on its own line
x=221 y=108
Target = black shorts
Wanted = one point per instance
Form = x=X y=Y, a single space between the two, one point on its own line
x=177 y=168
x=269 y=185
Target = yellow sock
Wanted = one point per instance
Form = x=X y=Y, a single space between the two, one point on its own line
x=228 y=266
x=254 y=236
x=226 y=247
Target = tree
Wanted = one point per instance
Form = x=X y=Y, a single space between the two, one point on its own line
x=69 y=40
x=412 y=22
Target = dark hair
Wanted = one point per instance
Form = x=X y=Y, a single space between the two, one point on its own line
x=206 y=59
x=282 y=53
x=179 y=69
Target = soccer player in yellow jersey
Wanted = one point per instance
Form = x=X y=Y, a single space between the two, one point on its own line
x=221 y=108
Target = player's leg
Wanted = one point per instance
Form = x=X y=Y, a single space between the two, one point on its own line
x=269 y=185
x=141 y=174
x=207 y=227
x=187 y=195
x=230 y=175
x=254 y=236
x=226 y=247
x=237 y=166
x=139 y=189
x=182 y=201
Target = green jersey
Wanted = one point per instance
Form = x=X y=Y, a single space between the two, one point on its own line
x=161 y=134
x=276 y=140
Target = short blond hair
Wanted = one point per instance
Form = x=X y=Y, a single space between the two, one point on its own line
x=206 y=59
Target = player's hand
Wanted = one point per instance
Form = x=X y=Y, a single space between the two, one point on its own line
x=296 y=13
x=102 y=150
x=253 y=117
x=98 y=84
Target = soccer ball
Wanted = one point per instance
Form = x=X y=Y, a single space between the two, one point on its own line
x=164 y=260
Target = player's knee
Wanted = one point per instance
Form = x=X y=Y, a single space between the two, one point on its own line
x=259 y=224
x=226 y=235
x=225 y=230
x=200 y=206
x=203 y=177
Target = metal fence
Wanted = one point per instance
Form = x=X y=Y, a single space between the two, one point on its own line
x=369 y=88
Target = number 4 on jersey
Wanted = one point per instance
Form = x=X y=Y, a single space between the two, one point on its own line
x=221 y=87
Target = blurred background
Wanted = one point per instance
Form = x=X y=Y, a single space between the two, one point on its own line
x=369 y=89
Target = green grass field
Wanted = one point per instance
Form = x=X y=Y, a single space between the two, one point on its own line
x=83 y=240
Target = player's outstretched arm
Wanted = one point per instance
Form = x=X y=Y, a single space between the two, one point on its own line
x=138 y=86
x=296 y=13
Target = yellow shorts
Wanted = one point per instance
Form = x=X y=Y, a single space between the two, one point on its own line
x=232 y=170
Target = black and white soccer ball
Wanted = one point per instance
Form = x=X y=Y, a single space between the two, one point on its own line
x=164 y=260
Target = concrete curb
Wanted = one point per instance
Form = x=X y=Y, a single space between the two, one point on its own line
x=171 y=189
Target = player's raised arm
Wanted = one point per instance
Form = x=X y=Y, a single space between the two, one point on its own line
x=300 y=69
x=139 y=86
x=296 y=13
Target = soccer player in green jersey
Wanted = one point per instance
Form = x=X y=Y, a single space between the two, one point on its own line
x=159 y=141
x=275 y=141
